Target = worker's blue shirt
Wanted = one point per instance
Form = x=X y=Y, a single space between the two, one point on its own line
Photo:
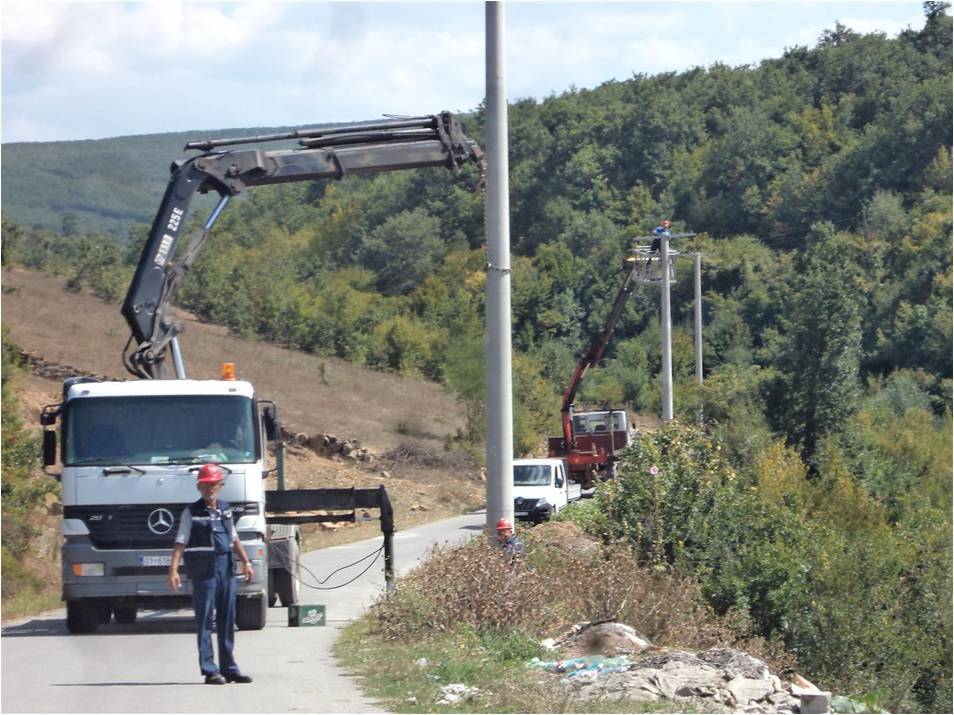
x=209 y=534
x=514 y=546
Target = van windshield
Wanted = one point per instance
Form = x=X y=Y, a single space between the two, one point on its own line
x=531 y=475
x=178 y=429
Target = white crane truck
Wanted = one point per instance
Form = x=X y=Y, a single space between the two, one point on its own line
x=128 y=451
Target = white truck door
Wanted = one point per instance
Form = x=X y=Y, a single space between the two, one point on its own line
x=558 y=488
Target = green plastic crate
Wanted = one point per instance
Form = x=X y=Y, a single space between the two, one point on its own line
x=305 y=614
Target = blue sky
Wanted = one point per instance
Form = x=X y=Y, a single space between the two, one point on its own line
x=86 y=70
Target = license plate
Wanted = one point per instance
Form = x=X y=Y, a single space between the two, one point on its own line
x=520 y=513
x=155 y=560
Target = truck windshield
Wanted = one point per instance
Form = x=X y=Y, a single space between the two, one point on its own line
x=159 y=430
x=531 y=475
x=590 y=422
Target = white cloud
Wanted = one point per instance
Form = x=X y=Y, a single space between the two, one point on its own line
x=17 y=128
x=868 y=24
x=172 y=65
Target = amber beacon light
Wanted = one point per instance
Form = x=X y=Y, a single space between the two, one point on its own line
x=228 y=371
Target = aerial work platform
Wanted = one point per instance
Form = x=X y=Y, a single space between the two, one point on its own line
x=649 y=264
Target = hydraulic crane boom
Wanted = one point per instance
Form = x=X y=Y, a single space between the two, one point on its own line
x=331 y=153
x=595 y=353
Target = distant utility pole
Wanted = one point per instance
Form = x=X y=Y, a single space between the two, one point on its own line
x=662 y=234
x=698 y=330
x=665 y=325
x=499 y=439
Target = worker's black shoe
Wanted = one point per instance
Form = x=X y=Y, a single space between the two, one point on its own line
x=215 y=679
x=238 y=678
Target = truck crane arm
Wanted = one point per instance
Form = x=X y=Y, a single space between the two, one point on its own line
x=594 y=354
x=329 y=153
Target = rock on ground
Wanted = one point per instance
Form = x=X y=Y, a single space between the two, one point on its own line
x=717 y=680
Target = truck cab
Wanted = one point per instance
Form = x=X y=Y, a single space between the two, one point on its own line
x=130 y=452
x=541 y=487
x=606 y=431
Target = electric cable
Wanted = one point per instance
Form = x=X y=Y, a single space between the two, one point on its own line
x=287 y=565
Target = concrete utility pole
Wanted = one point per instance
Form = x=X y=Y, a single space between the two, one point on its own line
x=663 y=234
x=698 y=327
x=499 y=384
x=665 y=327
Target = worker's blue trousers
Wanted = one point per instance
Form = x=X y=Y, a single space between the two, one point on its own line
x=216 y=592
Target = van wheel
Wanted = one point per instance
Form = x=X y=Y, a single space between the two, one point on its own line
x=82 y=617
x=251 y=612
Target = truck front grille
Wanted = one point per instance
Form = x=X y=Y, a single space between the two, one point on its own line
x=127 y=526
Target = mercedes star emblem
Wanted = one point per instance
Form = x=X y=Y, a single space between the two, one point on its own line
x=160 y=521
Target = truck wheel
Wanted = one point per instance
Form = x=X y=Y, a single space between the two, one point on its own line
x=287 y=587
x=125 y=614
x=82 y=617
x=251 y=612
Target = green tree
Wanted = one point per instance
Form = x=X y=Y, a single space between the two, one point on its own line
x=22 y=489
x=821 y=357
x=11 y=240
x=403 y=250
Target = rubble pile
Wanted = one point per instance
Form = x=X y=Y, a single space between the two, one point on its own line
x=621 y=665
x=42 y=367
x=730 y=680
x=328 y=445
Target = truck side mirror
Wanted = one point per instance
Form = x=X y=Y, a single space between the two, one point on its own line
x=48 y=419
x=49 y=448
x=559 y=482
x=49 y=453
x=273 y=428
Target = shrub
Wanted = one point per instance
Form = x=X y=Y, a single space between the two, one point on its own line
x=21 y=489
x=858 y=589
x=566 y=578
x=667 y=485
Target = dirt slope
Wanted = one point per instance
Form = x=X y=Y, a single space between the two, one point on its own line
x=385 y=412
x=379 y=409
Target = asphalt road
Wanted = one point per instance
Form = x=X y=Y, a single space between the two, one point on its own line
x=152 y=666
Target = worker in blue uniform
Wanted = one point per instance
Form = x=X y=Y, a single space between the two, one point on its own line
x=663 y=229
x=508 y=541
x=208 y=541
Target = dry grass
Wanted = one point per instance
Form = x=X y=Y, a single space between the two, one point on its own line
x=473 y=615
x=407 y=678
x=566 y=578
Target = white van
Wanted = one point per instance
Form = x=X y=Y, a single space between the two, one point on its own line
x=541 y=487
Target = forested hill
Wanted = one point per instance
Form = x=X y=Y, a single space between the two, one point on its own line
x=96 y=185
x=763 y=149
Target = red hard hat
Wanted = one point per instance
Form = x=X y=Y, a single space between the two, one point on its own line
x=504 y=524
x=209 y=474
x=666 y=223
